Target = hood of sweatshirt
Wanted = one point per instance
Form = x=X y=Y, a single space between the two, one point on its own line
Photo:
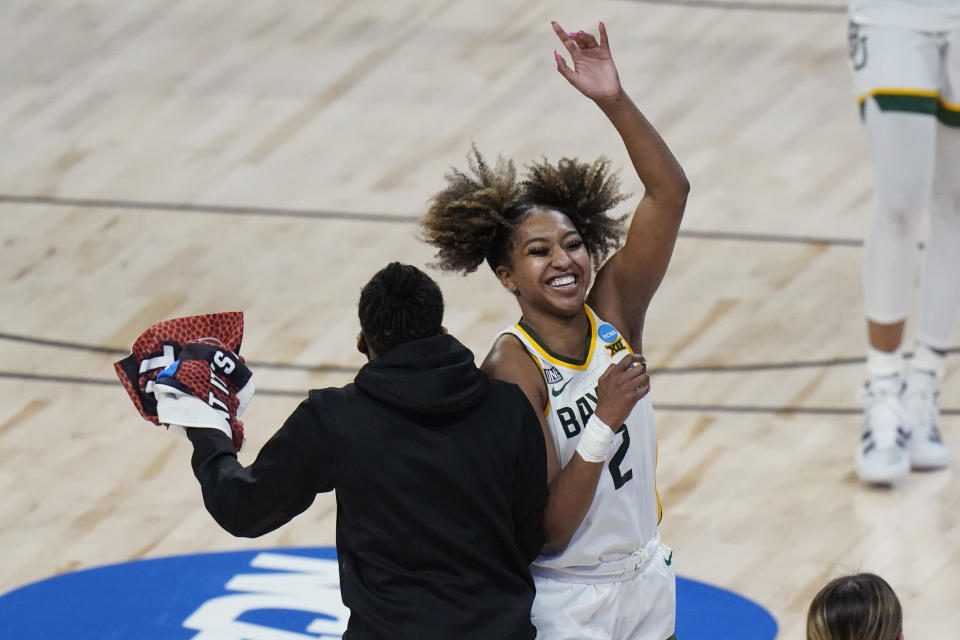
x=434 y=375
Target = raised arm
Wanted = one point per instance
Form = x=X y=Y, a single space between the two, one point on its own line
x=625 y=285
x=280 y=484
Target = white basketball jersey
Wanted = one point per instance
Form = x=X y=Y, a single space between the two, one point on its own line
x=626 y=509
x=919 y=15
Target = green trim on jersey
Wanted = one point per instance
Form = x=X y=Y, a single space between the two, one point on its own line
x=543 y=345
x=948 y=115
x=907 y=103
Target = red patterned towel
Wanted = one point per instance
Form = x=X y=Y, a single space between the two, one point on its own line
x=205 y=382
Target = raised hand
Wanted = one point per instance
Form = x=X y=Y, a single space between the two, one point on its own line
x=594 y=73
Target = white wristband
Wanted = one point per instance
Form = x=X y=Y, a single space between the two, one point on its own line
x=596 y=441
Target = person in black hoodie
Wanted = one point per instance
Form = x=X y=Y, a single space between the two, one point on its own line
x=439 y=471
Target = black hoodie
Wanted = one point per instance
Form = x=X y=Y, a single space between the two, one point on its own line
x=440 y=478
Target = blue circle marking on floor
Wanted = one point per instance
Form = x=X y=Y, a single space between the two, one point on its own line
x=706 y=612
x=251 y=595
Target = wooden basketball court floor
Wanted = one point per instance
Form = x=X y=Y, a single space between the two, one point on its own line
x=170 y=158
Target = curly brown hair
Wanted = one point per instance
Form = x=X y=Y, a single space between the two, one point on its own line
x=473 y=218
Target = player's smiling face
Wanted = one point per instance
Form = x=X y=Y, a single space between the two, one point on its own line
x=550 y=266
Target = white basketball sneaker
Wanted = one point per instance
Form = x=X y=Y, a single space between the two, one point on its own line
x=882 y=457
x=921 y=401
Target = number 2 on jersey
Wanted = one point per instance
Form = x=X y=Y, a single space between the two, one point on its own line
x=620 y=478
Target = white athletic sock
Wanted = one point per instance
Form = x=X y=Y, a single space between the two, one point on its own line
x=927 y=364
x=883 y=364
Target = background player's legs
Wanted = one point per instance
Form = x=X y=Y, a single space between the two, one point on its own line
x=902 y=150
x=897 y=76
x=939 y=305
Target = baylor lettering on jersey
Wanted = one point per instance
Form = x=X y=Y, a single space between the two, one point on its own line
x=585 y=405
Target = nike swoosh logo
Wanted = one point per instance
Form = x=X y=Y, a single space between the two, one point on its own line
x=557 y=392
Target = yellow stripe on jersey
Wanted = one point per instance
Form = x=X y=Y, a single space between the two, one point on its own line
x=556 y=360
x=921 y=101
x=894 y=91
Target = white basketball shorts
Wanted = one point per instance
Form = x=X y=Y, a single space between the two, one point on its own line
x=907 y=71
x=640 y=605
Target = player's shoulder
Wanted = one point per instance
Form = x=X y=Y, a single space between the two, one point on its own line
x=509 y=360
x=505 y=348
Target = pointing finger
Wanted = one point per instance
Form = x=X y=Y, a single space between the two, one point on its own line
x=557 y=29
x=604 y=41
x=568 y=42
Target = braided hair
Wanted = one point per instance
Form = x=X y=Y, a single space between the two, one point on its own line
x=474 y=217
x=400 y=303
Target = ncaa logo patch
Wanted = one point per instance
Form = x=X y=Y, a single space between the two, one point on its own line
x=607 y=333
x=553 y=375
